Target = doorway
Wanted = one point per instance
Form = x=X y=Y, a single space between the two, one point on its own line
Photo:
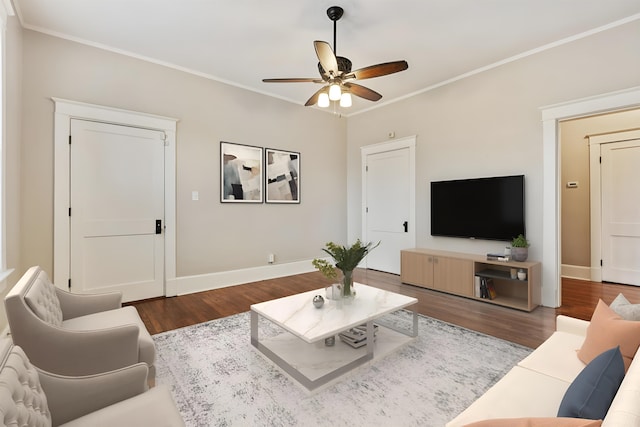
x=551 y=226
x=388 y=211
x=65 y=112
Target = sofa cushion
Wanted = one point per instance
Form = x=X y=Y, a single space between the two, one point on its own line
x=152 y=408
x=41 y=298
x=557 y=357
x=625 y=309
x=537 y=422
x=118 y=317
x=607 y=330
x=520 y=393
x=591 y=393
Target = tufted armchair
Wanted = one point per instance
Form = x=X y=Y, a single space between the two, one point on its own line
x=73 y=334
x=32 y=397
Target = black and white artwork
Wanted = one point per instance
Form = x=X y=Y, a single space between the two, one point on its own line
x=241 y=172
x=282 y=176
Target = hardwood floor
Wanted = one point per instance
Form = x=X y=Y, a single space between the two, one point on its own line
x=530 y=329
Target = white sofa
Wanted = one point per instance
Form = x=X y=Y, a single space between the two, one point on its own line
x=535 y=386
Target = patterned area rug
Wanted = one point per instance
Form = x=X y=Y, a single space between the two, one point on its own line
x=219 y=379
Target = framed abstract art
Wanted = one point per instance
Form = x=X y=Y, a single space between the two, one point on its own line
x=282 y=176
x=241 y=173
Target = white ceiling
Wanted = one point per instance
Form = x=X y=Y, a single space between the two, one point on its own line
x=240 y=42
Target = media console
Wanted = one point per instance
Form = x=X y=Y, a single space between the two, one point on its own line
x=456 y=273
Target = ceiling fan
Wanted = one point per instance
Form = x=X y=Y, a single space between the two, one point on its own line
x=336 y=75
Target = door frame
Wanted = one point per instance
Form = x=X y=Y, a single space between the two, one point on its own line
x=64 y=111
x=551 y=215
x=408 y=142
x=595 y=142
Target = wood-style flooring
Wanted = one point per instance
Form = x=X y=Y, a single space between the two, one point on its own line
x=579 y=298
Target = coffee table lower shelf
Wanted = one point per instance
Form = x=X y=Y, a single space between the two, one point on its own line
x=314 y=364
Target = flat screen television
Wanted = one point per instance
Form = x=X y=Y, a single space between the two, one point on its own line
x=479 y=208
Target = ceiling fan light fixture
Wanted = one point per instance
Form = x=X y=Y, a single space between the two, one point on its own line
x=323 y=100
x=334 y=92
x=345 y=100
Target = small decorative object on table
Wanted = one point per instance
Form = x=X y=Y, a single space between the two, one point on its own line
x=318 y=301
x=346 y=260
x=519 y=248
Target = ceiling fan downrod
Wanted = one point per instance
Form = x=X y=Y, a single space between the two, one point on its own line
x=335 y=13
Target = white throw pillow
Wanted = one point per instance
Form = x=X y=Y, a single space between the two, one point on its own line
x=625 y=309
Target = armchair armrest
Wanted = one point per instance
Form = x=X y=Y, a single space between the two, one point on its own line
x=69 y=352
x=72 y=397
x=75 y=305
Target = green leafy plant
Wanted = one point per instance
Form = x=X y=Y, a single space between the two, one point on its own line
x=346 y=260
x=520 y=242
x=326 y=268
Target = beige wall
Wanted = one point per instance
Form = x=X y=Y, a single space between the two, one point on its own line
x=211 y=237
x=575 y=226
x=490 y=124
x=13 y=70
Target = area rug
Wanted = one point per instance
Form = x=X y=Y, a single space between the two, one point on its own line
x=218 y=379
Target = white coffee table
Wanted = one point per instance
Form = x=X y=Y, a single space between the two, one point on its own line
x=300 y=349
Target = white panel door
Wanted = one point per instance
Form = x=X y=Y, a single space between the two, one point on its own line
x=388 y=207
x=620 y=178
x=117 y=199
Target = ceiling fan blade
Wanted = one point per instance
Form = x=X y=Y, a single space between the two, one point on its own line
x=363 y=92
x=326 y=57
x=314 y=98
x=294 y=80
x=378 y=70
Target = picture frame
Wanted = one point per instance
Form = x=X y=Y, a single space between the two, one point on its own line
x=241 y=173
x=282 y=176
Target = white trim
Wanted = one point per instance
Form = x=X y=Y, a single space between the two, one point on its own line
x=595 y=212
x=4 y=275
x=551 y=115
x=576 y=272
x=65 y=110
x=223 y=279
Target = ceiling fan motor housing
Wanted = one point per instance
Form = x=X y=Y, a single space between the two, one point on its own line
x=344 y=66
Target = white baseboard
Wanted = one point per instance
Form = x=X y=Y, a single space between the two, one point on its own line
x=576 y=272
x=206 y=282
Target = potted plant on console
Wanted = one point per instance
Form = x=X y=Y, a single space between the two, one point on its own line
x=519 y=248
x=346 y=259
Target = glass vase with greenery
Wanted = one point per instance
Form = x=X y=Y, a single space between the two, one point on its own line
x=346 y=259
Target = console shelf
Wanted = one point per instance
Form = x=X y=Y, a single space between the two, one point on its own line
x=456 y=273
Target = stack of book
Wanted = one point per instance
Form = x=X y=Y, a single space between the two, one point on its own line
x=357 y=337
x=484 y=288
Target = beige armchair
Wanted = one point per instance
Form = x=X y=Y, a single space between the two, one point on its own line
x=73 y=334
x=30 y=396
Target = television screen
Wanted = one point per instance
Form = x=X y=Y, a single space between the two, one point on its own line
x=479 y=208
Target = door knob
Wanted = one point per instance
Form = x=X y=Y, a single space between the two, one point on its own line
x=406 y=226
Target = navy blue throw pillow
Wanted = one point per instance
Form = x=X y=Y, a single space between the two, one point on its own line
x=591 y=393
